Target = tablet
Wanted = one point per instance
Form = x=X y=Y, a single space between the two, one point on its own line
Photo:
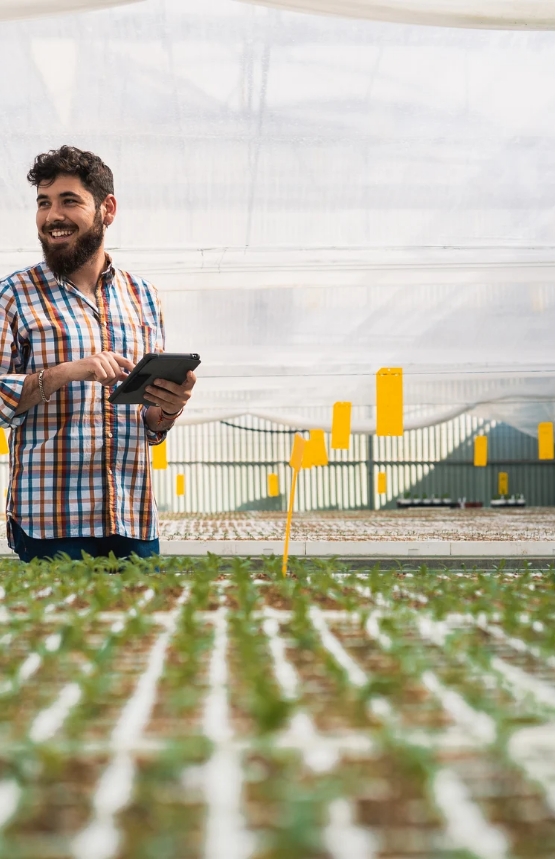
x=155 y=365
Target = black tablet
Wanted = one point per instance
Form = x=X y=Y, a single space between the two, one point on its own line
x=155 y=365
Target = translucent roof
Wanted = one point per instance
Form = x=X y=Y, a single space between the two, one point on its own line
x=315 y=197
x=507 y=14
x=17 y=9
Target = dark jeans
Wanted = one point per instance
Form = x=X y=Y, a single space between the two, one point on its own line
x=28 y=547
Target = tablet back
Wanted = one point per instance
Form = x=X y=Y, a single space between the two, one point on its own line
x=165 y=365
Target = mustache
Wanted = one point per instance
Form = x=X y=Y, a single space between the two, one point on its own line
x=51 y=227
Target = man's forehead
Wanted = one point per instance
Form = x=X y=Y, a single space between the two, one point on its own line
x=63 y=185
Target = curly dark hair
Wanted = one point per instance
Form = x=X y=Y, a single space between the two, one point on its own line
x=70 y=161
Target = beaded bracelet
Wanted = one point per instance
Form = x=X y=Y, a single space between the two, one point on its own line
x=165 y=416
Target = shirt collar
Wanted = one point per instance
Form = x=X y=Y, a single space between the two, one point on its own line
x=107 y=276
x=109 y=271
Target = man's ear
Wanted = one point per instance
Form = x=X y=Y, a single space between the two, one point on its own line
x=109 y=208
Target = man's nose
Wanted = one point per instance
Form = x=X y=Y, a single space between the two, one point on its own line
x=54 y=214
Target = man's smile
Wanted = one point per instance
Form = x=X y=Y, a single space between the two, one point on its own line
x=60 y=234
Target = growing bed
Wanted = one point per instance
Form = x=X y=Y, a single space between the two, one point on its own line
x=214 y=709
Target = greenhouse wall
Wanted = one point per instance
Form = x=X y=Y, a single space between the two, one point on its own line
x=438 y=461
x=226 y=466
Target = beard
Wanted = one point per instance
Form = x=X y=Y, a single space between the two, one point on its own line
x=63 y=261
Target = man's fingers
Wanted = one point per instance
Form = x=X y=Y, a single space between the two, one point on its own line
x=174 y=388
x=105 y=367
x=165 y=385
x=99 y=373
x=109 y=367
x=123 y=362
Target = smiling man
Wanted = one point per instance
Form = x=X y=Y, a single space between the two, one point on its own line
x=71 y=327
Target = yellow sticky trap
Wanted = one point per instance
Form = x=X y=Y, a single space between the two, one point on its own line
x=481 y=450
x=3 y=441
x=273 y=485
x=319 y=454
x=180 y=484
x=295 y=462
x=389 y=401
x=341 y=426
x=382 y=482
x=297 y=453
x=315 y=452
x=545 y=441
x=503 y=483
x=307 y=454
x=159 y=455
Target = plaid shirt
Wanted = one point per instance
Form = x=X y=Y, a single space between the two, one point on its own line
x=79 y=466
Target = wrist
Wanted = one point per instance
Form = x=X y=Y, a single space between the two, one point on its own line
x=44 y=397
x=168 y=417
x=52 y=379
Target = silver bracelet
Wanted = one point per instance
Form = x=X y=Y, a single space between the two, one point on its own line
x=45 y=399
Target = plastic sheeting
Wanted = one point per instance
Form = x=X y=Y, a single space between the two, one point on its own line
x=315 y=198
x=497 y=14
x=16 y=9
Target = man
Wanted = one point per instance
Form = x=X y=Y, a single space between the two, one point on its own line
x=71 y=327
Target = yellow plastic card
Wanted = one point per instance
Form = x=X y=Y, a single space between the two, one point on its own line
x=273 y=485
x=307 y=454
x=159 y=455
x=382 y=482
x=389 y=401
x=180 y=484
x=545 y=441
x=319 y=454
x=503 y=483
x=296 y=463
x=3 y=441
x=481 y=450
x=341 y=426
x=297 y=453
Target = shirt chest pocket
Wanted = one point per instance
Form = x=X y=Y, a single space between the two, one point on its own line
x=133 y=339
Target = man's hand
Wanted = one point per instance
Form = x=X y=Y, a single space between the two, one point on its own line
x=170 y=396
x=107 y=368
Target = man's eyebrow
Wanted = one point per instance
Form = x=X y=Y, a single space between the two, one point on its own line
x=64 y=194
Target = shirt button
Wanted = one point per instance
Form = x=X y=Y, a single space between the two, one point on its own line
x=109 y=435
x=110 y=472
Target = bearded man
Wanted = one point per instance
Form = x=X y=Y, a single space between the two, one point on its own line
x=71 y=327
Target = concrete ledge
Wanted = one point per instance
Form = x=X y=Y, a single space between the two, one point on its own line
x=252 y=548
x=498 y=548
x=377 y=548
x=356 y=548
x=366 y=548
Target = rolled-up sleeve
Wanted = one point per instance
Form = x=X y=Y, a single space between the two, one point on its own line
x=12 y=360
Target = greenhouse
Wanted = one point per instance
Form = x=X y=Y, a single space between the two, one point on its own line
x=329 y=634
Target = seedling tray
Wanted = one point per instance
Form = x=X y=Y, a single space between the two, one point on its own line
x=209 y=707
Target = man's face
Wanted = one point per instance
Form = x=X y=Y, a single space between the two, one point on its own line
x=71 y=227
